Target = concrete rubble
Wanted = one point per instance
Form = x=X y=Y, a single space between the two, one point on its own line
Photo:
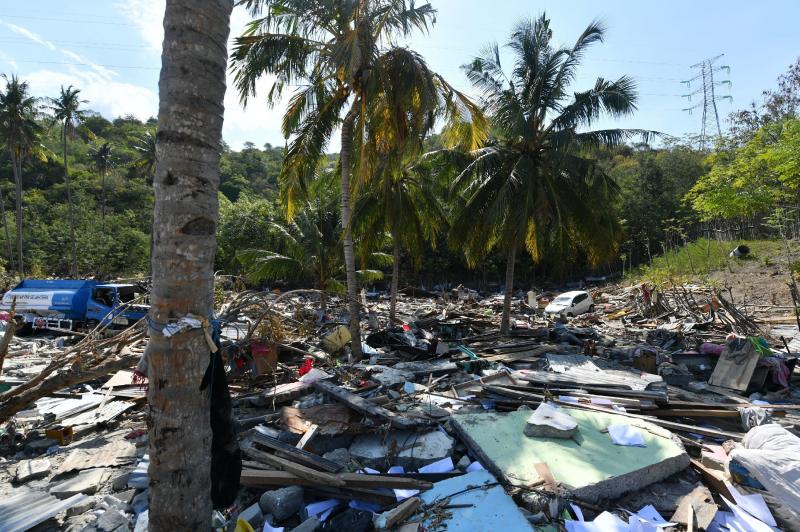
x=613 y=418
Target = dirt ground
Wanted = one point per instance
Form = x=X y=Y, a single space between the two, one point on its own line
x=754 y=283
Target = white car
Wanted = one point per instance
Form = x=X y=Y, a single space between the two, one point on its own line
x=571 y=304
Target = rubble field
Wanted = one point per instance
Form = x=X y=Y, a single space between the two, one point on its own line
x=662 y=409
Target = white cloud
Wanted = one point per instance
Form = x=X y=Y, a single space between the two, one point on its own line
x=69 y=54
x=108 y=97
x=257 y=123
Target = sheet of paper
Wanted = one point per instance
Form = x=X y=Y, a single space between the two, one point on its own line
x=444 y=465
x=270 y=528
x=577 y=511
x=475 y=466
x=322 y=509
x=651 y=515
x=745 y=520
x=626 y=435
x=753 y=504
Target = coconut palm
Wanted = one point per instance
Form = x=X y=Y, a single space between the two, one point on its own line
x=309 y=247
x=103 y=161
x=535 y=183
x=186 y=185
x=20 y=132
x=407 y=204
x=146 y=154
x=67 y=112
x=336 y=50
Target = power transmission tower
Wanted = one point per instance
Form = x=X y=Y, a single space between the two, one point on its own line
x=708 y=86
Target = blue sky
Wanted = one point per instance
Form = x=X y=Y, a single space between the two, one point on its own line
x=111 y=50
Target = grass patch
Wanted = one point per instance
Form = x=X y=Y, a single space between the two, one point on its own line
x=697 y=260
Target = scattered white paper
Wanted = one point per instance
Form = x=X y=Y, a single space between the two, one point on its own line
x=649 y=514
x=444 y=465
x=396 y=470
x=753 y=504
x=270 y=528
x=619 y=408
x=626 y=435
x=577 y=511
x=322 y=509
x=475 y=466
x=601 y=401
x=567 y=399
x=369 y=471
x=744 y=520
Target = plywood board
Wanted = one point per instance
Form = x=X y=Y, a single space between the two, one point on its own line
x=735 y=366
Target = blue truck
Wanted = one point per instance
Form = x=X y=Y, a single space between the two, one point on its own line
x=68 y=305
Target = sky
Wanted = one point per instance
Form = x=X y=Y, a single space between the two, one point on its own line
x=111 y=50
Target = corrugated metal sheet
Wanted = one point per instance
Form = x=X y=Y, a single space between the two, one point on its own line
x=27 y=508
x=101 y=414
x=114 y=454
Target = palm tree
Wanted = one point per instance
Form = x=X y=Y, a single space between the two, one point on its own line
x=310 y=247
x=186 y=184
x=146 y=154
x=103 y=160
x=336 y=50
x=66 y=110
x=20 y=132
x=535 y=183
x=406 y=203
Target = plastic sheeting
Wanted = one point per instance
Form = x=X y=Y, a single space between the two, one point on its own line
x=772 y=455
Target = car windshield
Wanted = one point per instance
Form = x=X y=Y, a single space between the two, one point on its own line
x=562 y=299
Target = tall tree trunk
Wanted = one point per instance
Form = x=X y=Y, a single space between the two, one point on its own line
x=395 y=277
x=347 y=233
x=103 y=195
x=74 y=265
x=10 y=250
x=512 y=257
x=16 y=164
x=191 y=93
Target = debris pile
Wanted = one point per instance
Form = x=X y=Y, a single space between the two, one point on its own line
x=658 y=410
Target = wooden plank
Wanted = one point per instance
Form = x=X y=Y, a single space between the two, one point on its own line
x=699 y=504
x=312 y=430
x=318 y=477
x=543 y=470
x=397 y=515
x=735 y=366
x=365 y=407
x=256 y=477
x=712 y=479
x=298 y=455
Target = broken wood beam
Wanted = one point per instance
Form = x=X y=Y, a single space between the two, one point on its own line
x=293 y=453
x=364 y=406
x=255 y=477
x=317 y=477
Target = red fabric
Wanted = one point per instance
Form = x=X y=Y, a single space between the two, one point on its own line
x=305 y=367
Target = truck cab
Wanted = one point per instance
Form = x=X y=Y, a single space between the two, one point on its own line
x=66 y=305
x=111 y=304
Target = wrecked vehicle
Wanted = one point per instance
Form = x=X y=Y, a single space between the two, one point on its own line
x=67 y=305
x=571 y=304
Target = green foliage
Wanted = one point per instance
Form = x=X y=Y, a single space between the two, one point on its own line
x=752 y=179
x=696 y=260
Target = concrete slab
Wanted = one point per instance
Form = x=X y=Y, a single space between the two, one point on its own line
x=490 y=508
x=31 y=469
x=592 y=467
x=86 y=482
x=413 y=449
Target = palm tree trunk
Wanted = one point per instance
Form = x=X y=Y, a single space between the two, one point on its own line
x=512 y=257
x=10 y=250
x=103 y=196
x=191 y=89
x=16 y=164
x=347 y=233
x=395 y=281
x=74 y=264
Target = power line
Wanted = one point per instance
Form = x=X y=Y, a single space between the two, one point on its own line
x=708 y=88
x=135 y=67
